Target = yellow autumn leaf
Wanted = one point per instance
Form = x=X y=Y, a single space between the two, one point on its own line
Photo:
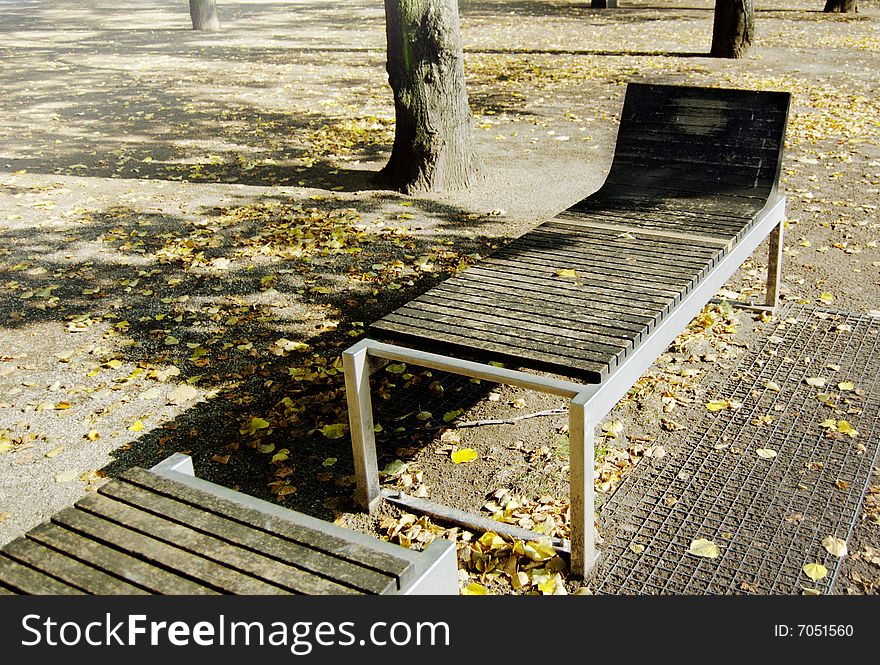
x=772 y=385
x=846 y=385
x=538 y=550
x=717 y=405
x=815 y=381
x=335 y=431
x=136 y=426
x=93 y=435
x=826 y=298
x=815 y=571
x=253 y=425
x=845 y=428
x=567 y=272
x=55 y=452
x=464 y=455
x=550 y=585
x=612 y=429
x=766 y=453
x=704 y=548
x=835 y=546
x=474 y=589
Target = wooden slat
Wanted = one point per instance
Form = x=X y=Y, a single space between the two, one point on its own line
x=628 y=287
x=592 y=293
x=117 y=562
x=70 y=571
x=509 y=347
x=162 y=554
x=568 y=338
x=24 y=579
x=547 y=343
x=288 y=529
x=270 y=574
x=498 y=294
x=306 y=570
x=716 y=235
x=620 y=255
x=551 y=312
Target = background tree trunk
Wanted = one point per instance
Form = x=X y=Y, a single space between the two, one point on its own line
x=433 y=147
x=733 y=29
x=840 y=6
x=204 y=14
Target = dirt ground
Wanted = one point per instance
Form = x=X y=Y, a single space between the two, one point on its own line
x=190 y=235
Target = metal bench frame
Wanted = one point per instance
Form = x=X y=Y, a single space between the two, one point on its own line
x=588 y=404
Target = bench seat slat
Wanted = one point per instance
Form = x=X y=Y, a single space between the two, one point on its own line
x=304 y=571
x=69 y=570
x=322 y=539
x=162 y=554
x=113 y=561
x=24 y=579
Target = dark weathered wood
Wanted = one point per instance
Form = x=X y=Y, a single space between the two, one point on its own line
x=69 y=570
x=222 y=552
x=594 y=302
x=404 y=330
x=371 y=558
x=626 y=287
x=24 y=579
x=162 y=554
x=116 y=562
x=568 y=340
x=524 y=308
x=305 y=570
x=631 y=259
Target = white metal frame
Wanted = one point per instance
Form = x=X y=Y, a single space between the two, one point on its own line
x=588 y=404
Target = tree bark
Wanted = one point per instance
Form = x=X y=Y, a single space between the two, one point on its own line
x=433 y=146
x=204 y=15
x=840 y=6
x=733 y=29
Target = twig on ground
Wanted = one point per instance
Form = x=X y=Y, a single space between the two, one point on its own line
x=508 y=421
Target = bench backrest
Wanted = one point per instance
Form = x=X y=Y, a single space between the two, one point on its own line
x=680 y=141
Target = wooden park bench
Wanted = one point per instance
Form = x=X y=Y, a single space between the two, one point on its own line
x=598 y=292
x=164 y=531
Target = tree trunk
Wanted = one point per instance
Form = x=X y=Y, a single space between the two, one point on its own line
x=840 y=6
x=433 y=149
x=204 y=15
x=733 y=29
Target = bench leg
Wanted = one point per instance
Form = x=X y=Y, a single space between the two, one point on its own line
x=774 y=266
x=356 y=364
x=581 y=456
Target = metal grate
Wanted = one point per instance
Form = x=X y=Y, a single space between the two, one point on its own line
x=768 y=516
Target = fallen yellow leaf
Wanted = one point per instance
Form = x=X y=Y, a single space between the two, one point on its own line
x=835 y=546
x=704 y=548
x=815 y=571
x=464 y=455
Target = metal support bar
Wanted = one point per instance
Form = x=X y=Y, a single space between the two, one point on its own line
x=469 y=520
x=356 y=365
x=581 y=490
x=774 y=266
